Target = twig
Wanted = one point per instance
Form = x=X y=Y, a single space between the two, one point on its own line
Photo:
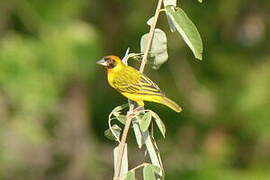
x=131 y=110
x=150 y=36
x=122 y=144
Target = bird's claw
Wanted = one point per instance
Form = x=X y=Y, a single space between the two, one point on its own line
x=135 y=111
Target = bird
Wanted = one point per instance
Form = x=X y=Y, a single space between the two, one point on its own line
x=133 y=84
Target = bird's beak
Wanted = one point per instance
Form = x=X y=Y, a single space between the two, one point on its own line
x=102 y=62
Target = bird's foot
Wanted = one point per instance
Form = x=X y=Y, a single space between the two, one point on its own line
x=135 y=111
x=138 y=109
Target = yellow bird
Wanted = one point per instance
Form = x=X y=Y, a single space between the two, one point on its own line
x=133 y=84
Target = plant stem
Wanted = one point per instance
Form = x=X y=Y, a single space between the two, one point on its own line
x=121 y=148
x=123 y=141
x=131 y=110
x=150 y=36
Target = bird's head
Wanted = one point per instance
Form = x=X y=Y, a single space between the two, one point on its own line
x=111 y=62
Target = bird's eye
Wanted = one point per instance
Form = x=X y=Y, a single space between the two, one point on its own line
x=111 y=63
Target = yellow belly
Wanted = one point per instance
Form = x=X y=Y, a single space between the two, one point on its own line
x=140 y=98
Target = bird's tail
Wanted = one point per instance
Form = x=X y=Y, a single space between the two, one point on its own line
x=171 y=104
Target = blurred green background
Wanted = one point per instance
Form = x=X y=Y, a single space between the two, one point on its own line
x=54 y=99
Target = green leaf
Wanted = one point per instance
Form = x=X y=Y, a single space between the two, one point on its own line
x=145 y=121
x=116 y=110
x=158 y=48
x=169 y=2
x=187 y=30
x=155 y=168
x=130 y=175
x=117 y=131
x=150 y=21
x=152 y=151
x=121 y=118
x=159 y=123
x=138 y=133
x=148 y=173
x=200 y=1
x=173 y=4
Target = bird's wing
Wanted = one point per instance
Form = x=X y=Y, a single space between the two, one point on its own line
x=149 y=87
x=134 y=82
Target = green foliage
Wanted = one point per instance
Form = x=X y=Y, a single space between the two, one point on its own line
x=148 y=173
x=145 y=121
x=130 y=175
x=158 y=50
x=159 y=123
x=170 y=3
x=113 y=133
x=122 y=118
x=54 y=99
x=117 y=110
x=138 y=134
x=39 y=62
x=140 y=122
x=154 y=45
x=187 y=30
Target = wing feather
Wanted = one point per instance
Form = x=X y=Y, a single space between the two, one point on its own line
x=134 y=82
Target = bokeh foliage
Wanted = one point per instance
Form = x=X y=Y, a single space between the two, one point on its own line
x=54 y=101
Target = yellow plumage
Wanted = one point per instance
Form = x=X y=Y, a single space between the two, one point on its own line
x=133 y=84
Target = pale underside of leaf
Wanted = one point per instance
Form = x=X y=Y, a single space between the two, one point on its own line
x=138 y=133
x=115 y=135
x=116 y=110
x=159 y=123
x=170 y=3
x=153 y=153
x=187 y=30
x=158 y=48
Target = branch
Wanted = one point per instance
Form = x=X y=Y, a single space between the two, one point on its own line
x=131 y=110
x=150 y=36
x=122 y=146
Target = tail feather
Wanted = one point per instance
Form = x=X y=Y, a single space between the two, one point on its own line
x=171 y=104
